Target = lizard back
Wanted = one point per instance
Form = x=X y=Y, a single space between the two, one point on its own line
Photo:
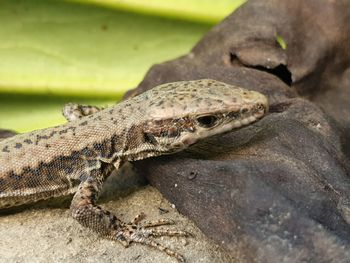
x=168 y=118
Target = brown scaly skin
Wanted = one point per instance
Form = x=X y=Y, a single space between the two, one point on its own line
x=78 y=156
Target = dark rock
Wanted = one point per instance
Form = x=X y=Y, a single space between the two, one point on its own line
x=278 y=190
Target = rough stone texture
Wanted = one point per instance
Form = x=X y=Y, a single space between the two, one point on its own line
x=279 y=190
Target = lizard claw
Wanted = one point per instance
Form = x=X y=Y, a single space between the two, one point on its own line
x=147 y=224
x=142 y=233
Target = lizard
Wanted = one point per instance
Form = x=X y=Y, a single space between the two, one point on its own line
x=75 y=158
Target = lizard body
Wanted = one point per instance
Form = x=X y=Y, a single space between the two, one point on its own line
x=76 y=157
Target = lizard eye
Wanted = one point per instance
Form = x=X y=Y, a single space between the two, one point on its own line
x=149 y=138
x=207 y=121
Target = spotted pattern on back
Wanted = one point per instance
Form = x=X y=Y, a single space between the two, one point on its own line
x=159 y=121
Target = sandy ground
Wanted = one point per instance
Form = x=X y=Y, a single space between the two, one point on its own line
x=51 y=235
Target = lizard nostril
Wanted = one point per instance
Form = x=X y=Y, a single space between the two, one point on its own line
x=260 y=107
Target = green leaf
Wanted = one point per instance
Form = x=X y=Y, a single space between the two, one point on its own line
x=86 y=52
x=205 y=11
x=26 y=112
x=281 y=41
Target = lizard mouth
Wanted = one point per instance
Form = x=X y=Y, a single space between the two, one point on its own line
x=233 y=124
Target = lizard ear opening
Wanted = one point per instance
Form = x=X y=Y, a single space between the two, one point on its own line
x=148 y=137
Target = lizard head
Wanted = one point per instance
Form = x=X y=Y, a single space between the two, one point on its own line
x=181 y=113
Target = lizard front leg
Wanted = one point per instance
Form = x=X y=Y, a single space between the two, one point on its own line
x=88 y=214
x=73 y=111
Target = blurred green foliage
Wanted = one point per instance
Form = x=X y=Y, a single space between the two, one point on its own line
x=54 y=52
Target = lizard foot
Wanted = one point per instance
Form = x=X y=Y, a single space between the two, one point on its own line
x=142 y=233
